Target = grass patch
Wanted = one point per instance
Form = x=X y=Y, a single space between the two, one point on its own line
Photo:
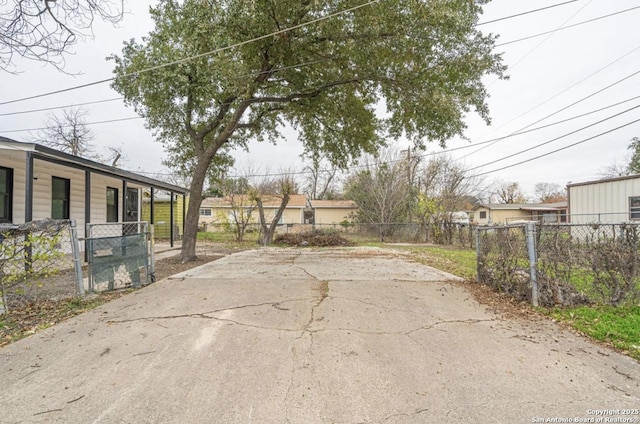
x=458 y=261
x=617 y=326
x=227 y=238
x=614 y=326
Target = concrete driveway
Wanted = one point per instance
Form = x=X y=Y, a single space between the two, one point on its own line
x=308 y=336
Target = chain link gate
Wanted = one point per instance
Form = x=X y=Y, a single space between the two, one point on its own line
x=117 y=254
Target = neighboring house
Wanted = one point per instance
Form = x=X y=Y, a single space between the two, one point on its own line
x=611 y=200
x=331 y=211
x=38 y=182
x=219 y=210
x=165 y=211
x=497 y=214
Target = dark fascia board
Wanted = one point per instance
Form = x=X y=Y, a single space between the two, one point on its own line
x=523 y=206
x=45 y=152
x=605 y=180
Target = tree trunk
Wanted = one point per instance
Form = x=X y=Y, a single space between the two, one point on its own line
x=188 y=252
x=268 y=231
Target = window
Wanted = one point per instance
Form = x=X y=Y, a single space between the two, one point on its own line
x=205 y=211
x=60 y=198
x=563 y=215
x=634 y=207
x=6 y=194
x=483 y=214
x=112 y=204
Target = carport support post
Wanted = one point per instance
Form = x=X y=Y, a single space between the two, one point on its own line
x=171 y=218
x=533 y=261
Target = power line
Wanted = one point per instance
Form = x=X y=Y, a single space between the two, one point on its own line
x=567 y=27
x=558 y=150
x=109 y=121
x=433 y=153
x=554 y=139
x=582 y=115
x=519 y=61
x=61 y=107
x=242 y=43
x=212 y=52
x=561 y=109
x=50 y=93
x=526 y=13
x=254 y=74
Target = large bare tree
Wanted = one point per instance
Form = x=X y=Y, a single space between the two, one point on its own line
x=68 y=133
x=278 y=189
x=382 y=192
x=444 y=190
x=507 y=192
x=45 y=30
x=320 y=178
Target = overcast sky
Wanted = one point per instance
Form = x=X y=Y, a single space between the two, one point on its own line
x=547 y=74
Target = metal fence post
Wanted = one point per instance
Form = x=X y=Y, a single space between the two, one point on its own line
x=478 y=255
x=75 y=248
x=533 y=262
x=152 y=265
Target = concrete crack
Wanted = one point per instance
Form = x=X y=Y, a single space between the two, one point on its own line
x=286 y=396
x=623 y=374
x=205 y=315
x=454 y=321
x=409 y=414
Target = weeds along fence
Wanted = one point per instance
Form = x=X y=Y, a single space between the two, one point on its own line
x=461 y=235
x=562 y=264
x=39 y=260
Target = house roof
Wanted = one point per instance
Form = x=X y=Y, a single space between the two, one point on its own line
x=295 y=201
x=525 y=206
x=604 y=180
x=334 y=204
x=62 y=158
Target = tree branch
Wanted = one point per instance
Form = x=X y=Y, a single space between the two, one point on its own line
x=298 y=96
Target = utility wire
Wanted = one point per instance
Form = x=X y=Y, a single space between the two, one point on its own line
x=526 y=13
x=109 y=121
x=424 y=155
x=527 y=54
x=186 y=59
x=212 y=52
x=554 y=139
x=561 y=109
x=567 y=27
x=61 y=107
x=254 y=74
x=558 y=150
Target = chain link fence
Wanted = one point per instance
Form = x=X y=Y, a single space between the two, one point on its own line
x=460 y=235
x=562 y=264
x=39 y=260
x=119 y=255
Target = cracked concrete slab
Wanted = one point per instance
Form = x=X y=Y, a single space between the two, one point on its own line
x=308 y=336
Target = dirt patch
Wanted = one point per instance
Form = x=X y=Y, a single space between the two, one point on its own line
x=499 y=303
x=35 y=314
x=167 y=267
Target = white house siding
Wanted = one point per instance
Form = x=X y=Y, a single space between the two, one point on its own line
x=99 y=184
x=606 y=202
x=43 y=171
x=18 y=162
